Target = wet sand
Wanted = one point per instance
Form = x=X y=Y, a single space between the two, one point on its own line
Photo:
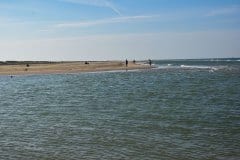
x=21 y=68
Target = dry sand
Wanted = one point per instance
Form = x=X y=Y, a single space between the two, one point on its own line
x=21 y=68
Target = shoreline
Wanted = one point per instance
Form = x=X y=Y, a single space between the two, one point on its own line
x=12 y=68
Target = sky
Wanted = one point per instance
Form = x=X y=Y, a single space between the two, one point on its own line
x=58 y=30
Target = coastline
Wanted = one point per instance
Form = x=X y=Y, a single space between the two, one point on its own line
x=41 y=67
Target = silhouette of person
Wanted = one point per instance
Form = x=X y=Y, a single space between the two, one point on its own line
x=126 y=62
x=150 y=62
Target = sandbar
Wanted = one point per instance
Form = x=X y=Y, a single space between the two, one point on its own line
x=45 y=67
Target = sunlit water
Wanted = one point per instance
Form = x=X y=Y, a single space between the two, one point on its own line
x=179 y=110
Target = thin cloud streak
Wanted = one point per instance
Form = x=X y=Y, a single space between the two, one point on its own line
x=224 y=11
x=110 y=5
x=13 y=7
x=98 y=3
x=105 y=21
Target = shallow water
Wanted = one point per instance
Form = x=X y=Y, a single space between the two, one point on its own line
x=172 y=112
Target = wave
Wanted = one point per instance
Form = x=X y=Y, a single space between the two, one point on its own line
x=199 y=67
x=165 y=66
x=224 y=60
x=184 y=66
x=212 y=60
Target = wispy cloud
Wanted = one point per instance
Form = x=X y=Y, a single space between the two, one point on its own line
x=99 y=3
x=224 y=11
x=126 y=19
x=20 y=8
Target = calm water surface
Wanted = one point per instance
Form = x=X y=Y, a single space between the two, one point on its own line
x=180 y=110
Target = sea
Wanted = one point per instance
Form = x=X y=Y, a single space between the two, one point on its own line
x=178 y=110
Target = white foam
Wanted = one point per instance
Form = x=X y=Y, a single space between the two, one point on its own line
x=223 y=60
x=211 y=71
x=200 y=67
x=166 y=66
x=212 y=68
x=196 y=67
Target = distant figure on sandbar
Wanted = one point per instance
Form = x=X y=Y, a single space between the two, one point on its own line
x=150 y=62
x=86 y=62
x=126 y=62
x=27 y=65
x=134 y=61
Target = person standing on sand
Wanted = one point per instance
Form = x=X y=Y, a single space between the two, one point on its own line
x=126 y=62
x=150 y=62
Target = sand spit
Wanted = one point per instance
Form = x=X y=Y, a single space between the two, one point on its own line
x=44 y=67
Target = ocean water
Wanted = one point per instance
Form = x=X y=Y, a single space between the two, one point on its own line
x=182 y=109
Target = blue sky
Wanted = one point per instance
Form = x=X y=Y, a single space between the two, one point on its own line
x=118 y=29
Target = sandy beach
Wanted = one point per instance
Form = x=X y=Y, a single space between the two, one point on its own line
x=25 y=68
